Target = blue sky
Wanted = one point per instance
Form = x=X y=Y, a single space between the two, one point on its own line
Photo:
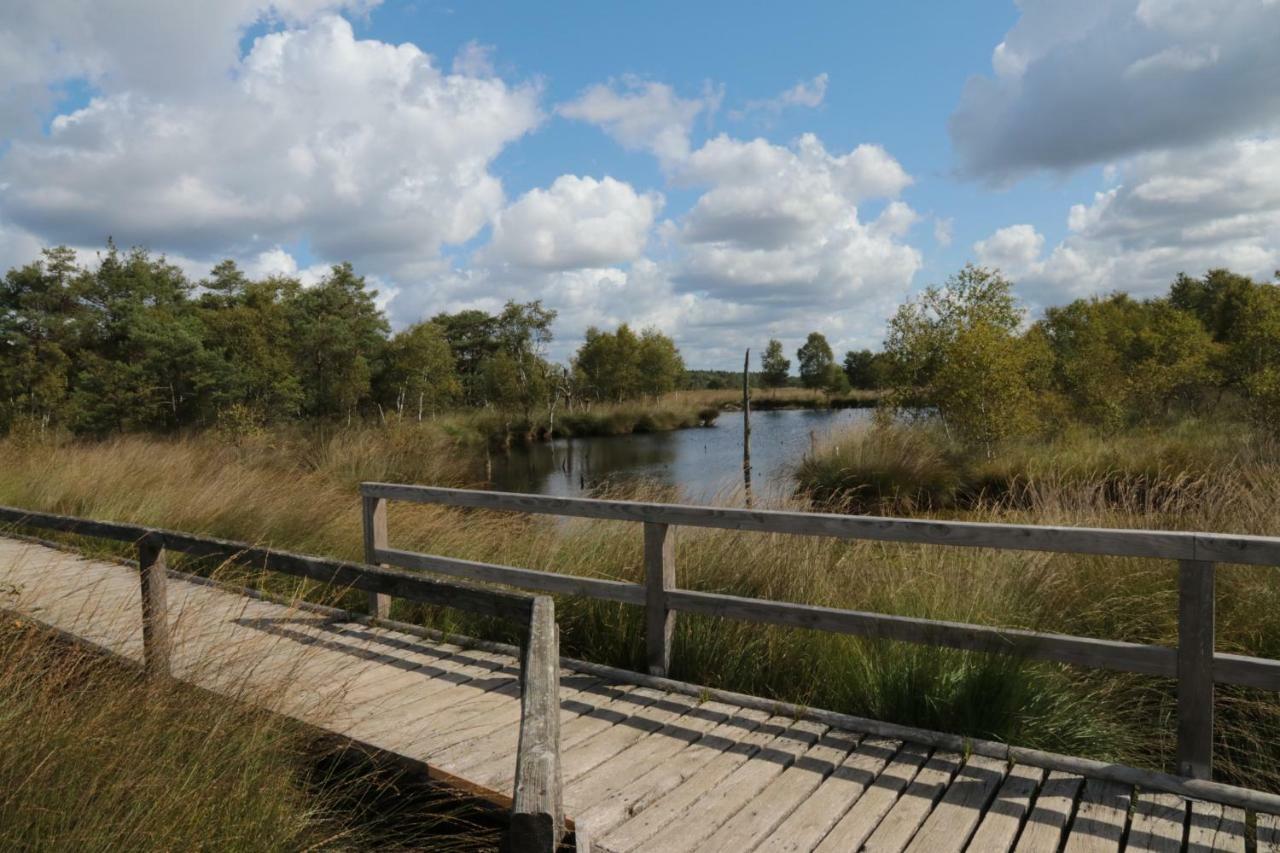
x=722 y=171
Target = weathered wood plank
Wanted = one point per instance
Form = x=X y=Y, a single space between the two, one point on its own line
x=1105 y=654
x=374 y=524
x=814 y=818
x=619 y=803
x=583 y=756
x=606 y=780
x=1049 y=817
x=1195 y=669
x=852 y=830
x=659 y=579
x=949 y=825
x=627 y=593
x=1268 y=833
x=1226 y=548
x=537 y=809
x=784 y=794
x=1157 y=822
x=917 y=801
x=651 y=815
x=1210 y=828
x=1100 y=818
x=729 y=796
x=1008 y=811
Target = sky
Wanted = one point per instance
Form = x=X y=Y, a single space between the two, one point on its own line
x=724 y=172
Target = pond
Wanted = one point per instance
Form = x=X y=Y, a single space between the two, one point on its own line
x=700 y=463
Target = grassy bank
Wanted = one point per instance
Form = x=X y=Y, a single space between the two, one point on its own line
x=763 y=399
x=301 y=495
x=96 y=759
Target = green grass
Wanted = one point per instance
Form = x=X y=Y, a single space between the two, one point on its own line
x=96 y=758
x=289 y=495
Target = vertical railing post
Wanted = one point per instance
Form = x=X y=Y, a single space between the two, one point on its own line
x=659 y=577
x=537 y=804
x=1195 y=669
x=155 y=607
x=374 y=519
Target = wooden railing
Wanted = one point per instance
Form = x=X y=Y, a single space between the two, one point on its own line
x=537 y=819
x=1193 y=662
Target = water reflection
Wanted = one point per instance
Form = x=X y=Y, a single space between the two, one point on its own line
x=700 y=463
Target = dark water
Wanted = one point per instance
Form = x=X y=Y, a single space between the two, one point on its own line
x=701 y=463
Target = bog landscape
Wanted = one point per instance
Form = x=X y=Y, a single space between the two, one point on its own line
x=757 y=527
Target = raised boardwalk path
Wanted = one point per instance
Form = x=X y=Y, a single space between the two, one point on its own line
x=646 y=764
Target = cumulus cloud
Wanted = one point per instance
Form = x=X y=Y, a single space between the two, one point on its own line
x=780 y=224
x=1175 y=211
x=643 y=115
x=365 y=149
x=576 y=223
x=1095 y=80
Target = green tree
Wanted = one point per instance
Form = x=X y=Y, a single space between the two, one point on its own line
x=775 y=368
x=472 y=336
x=339 y=335
x=816 y=362
x=659 y=364
x=418 y=374
x=865 y=369
x=607 y=365
x=957 y=349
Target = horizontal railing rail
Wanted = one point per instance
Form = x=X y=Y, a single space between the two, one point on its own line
x=1193 y=662
x=537 y=820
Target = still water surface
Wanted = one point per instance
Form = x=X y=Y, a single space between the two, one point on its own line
x=701 y=463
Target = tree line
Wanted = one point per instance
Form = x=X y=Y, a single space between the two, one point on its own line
x=965 y=351
x=134 y=344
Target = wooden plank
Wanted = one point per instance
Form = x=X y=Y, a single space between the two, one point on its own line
x=1213 y=827
x=1157 y=822
x=652 y=814
x=721 y=804
x=1227 y=548
x=606 y=780
x=582 y=756
x=1100 y=817
x=1268 y=833
x=627 y=593
x=1083 y=651
x=869 y=810
x=596 y=816
x=1049 y=817
x=374 y=524
x=814 y=818
x=1195 y=669
x=917 y=801
x=1007 y=812
x=659 y=579
x=784 y=794
x=537 y=808
x=956 y=816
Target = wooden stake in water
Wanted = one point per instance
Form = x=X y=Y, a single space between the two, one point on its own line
x=746 y=424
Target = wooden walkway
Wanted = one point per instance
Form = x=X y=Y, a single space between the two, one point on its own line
x=643 y=769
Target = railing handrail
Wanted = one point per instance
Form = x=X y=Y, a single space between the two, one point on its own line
x=1193 y=662
x=537 y=822
x=1106 y=541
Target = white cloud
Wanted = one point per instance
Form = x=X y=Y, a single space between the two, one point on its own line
x=1181 y=211
x=643 y=115
x=576 y=223
x=943 y=231
x=1091 y=81
x=366 y=150
x=806 y=93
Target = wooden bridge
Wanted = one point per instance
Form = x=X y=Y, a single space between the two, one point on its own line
x=627 y=761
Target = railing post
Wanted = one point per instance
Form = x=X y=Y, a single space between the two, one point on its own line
x=537 y=807
x=1195 y=669
x=155 y=607
x=374 y=518
x=659 y=577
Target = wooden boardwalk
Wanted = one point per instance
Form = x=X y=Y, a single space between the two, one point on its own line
x=643 y=768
